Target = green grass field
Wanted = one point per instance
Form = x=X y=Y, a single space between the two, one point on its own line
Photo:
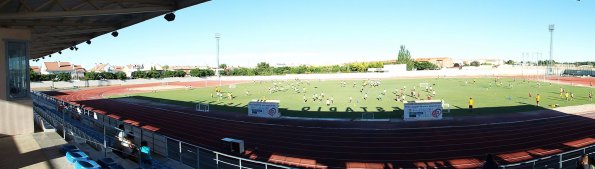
x=497 y=99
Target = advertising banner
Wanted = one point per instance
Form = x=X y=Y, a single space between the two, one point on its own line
x=266 y=109
x=423 y=110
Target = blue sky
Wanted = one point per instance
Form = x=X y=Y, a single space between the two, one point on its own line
x=338 y=31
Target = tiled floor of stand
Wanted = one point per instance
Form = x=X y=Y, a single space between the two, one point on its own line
x=41 y=151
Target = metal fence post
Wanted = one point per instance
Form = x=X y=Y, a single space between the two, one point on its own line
x=63 y=125
x=140 y=158
x=217 y=159
x=180 y=151
x=240 y=163
x=104 y=142
x=560 y=159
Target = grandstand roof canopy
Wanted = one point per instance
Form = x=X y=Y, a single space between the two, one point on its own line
x=59 y=24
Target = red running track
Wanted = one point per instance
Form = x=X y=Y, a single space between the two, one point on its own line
x=330 y=144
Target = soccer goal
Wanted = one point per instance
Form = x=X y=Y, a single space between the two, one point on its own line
x=367 y=115
x=424 y=85
x=446 y=106
x=202 y=107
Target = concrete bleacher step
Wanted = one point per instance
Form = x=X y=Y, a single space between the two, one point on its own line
x=43 y=124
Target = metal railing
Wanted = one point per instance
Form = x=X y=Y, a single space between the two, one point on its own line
x=567 y=159
x=100 y=130
x=193 y=156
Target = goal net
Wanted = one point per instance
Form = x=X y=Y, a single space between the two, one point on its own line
x=424 y=85
x=202 y=107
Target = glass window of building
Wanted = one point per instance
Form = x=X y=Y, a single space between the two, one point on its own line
x=17 y=69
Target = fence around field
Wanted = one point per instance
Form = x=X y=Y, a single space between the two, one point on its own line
x=100 y=132
x=467 y=71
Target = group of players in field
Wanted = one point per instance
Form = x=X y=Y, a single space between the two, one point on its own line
x=298 y=86
x=398 y=93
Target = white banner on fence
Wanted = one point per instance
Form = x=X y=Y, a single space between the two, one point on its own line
x=267 y=108
x=423 y=110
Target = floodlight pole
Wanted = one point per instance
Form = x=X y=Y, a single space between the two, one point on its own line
x=551 y=62
x=523 y=65
x=218 y=36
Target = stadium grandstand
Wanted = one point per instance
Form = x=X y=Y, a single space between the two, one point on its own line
x=278 y=121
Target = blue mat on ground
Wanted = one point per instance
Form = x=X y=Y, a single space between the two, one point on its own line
x=86 y=164
x=74 y=156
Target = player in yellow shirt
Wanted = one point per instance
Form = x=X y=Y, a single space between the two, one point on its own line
x=537 y=98
x=470 y=103
x=567 y=96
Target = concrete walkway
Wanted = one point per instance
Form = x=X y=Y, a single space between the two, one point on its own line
x=34 y=151
x=42 y=151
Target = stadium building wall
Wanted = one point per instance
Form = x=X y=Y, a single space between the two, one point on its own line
x=16 y=116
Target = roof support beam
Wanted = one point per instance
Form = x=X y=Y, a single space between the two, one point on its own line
x=44 y=5
x=46 y=50
x=26 y=5
x=62 y=14
x=68 y=40
x=150 y=2
x=75 y=32
x=52 y=23
x=4 y=3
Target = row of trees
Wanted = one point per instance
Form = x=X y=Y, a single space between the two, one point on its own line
x=201 y=72
x=404 y=57
x=264 y=69
x=540 y=62
x=105 y=75
x=36 y=77
x=157 y=74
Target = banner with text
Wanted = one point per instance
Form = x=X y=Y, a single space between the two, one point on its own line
x=267 y=109
x=423 y=110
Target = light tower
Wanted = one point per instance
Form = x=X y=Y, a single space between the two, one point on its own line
x=551 y=61
x=217 y=37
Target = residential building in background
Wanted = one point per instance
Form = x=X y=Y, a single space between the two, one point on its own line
x=100 y=67
x=442 y=62
x=128 y=69
x=76 y=71
x=36 y=69
x=152 y=66
x=186 y=69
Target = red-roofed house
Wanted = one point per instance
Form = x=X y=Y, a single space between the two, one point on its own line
x=36 y=69
x=115 y=69
x=100 y=67
x=128 y=69
x=76 y=71
x=186 y=69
